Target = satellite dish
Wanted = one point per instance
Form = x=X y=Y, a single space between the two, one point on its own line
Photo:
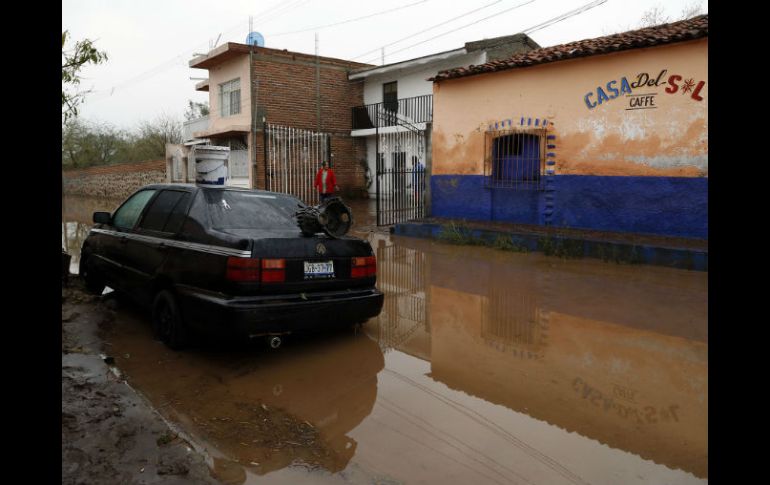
x=255 y=38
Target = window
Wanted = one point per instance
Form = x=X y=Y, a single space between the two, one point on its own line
x=231 y=209
x=230 y=98
x=514 y=158
x=127 y=215
x=166 y=212
x=390 y=96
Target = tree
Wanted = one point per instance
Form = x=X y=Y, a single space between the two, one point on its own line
x=86 y=144
x=656 y=15
x=73 y=60
x=196 y=110
x=150 y=141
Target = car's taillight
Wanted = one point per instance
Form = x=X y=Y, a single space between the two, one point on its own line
x=242 y=269
x=255 y=270
x=273 y=270
x=361 y=267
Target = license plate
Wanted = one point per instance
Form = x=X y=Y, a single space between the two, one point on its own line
x=319 y=270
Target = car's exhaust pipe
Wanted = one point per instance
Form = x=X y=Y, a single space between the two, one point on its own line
x=274 y=342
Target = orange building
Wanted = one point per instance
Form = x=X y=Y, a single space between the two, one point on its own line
x=606 y=134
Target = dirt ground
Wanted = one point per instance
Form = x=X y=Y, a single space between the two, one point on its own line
x=110 y=434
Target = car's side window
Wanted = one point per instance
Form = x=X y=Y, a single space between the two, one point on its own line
x=126 y=216
x=158 y=214
x=178 y=213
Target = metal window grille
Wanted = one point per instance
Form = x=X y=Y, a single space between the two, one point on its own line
x=515 y=159
x=230 y=97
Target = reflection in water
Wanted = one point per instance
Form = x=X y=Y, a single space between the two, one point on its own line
x=483 y=367
x=263 y=411
x=77 y=220
x=615 y=353
x=401 y=276
x=512 y=323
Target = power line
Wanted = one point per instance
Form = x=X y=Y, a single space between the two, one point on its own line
x=458 y=28
x=567 y=15
x=268 y=14
x=428 y=29
x=318 y=27
x=540 y=26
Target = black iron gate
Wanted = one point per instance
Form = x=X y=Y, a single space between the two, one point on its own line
x=400 y=178
x=292 y=158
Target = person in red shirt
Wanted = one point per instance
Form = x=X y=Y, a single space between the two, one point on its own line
x=325 y=182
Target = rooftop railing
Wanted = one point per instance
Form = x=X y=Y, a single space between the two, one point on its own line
x=192 y=126
x=418 y=109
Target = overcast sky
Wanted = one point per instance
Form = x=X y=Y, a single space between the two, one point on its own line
x=149 y=43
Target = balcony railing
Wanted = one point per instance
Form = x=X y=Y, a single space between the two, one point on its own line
x=406 y=111
x=190 y=127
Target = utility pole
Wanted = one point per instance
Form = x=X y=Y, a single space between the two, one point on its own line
x=382 y=56
x=253 y=95
x=317 y=87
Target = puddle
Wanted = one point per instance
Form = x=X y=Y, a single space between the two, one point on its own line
x=484 y=367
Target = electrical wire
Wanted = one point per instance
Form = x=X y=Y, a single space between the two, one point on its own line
x=428 y=29
x=456 y=29
x=319 y=27
x=268 y=14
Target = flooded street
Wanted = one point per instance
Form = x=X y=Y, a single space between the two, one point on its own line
x=485 y=366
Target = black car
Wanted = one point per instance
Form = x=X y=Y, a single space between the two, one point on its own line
x=228 y=262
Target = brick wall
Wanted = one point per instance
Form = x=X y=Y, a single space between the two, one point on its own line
x=113 y=181
x=287 y=96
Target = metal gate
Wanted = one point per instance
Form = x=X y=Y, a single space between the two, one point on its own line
x=400 y=175
x=293 y=157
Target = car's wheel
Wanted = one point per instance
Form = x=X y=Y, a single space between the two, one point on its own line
x=94 y=283
x=167 y=321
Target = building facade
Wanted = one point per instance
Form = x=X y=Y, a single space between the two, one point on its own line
x=606 y=134
x=396 y=123
x=281 y=113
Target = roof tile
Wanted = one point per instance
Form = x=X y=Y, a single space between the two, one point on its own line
x=684 y=30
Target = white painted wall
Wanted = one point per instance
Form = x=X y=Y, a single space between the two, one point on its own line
x=413 y=81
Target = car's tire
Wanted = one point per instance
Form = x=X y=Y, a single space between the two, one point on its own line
x=167 y=321
x=93 y=282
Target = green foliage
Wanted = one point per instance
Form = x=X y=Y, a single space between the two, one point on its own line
x=196 y=110
x=87 y=144
x=454 y=233
x=504 y=243
x=563 y=248
x=73 y=60
x=458 y=234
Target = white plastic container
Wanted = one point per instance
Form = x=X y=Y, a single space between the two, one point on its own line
x=211 y=165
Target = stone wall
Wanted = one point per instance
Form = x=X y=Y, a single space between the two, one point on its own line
x=113 y=181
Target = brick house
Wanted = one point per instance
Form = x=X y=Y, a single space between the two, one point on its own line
x=283 y=112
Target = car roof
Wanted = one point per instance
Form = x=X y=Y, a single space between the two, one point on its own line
x=195 y=187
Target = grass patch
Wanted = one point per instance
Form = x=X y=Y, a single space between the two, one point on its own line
x=458 y=234
x=505 y=243
x=563 y=248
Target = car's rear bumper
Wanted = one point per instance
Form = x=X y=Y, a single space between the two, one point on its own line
x=277 y=314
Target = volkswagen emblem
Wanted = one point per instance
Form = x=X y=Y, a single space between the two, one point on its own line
x=320 y=248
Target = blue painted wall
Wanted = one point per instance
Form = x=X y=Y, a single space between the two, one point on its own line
x=672 y=206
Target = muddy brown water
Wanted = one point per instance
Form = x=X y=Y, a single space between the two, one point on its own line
x=485 y=366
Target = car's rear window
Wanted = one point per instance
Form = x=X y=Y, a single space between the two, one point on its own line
x=231 y=209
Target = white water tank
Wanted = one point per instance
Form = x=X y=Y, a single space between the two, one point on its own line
x=211 y=165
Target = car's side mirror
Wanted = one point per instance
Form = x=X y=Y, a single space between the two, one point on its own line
x=102 y=217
